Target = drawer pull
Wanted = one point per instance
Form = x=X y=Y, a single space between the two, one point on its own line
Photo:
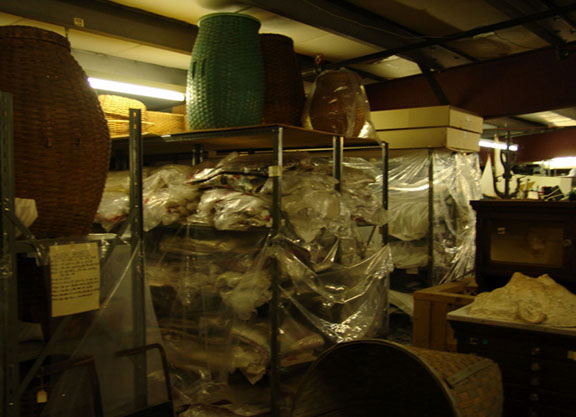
x=535 y=381
x=535 y=351
x=535 y=366
x=534 y=396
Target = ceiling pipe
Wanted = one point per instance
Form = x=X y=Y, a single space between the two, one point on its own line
x=460 y=35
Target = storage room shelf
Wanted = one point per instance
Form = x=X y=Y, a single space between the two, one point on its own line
x=27 y=246
x=260 y=137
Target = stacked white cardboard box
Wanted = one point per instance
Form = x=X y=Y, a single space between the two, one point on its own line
x=429 y=127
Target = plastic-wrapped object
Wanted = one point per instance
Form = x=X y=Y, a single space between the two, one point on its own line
x=456 y=182
x=338 y=103
x=208 y=290
x=341 y=303
x=227 y=209
x=110 y=331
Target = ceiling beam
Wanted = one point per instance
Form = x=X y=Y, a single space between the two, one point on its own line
x=106 y=18
x=462 y=35
x=518 y=84
x=109 y=19
x=335 y=18
x=551 y=4
x=516 y=8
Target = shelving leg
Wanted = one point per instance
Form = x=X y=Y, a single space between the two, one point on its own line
x=9 y=372
x=276 y=173
x=385 y=169
x=431 y=214
x=137 y=252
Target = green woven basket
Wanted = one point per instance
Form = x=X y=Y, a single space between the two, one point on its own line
x=226 y=76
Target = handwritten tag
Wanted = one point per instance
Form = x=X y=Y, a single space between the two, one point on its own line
x=75 y=273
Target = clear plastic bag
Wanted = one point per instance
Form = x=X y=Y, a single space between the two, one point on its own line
x=341 y=303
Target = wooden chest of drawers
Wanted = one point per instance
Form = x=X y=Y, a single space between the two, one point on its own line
x=529 y=236
x=538 y=363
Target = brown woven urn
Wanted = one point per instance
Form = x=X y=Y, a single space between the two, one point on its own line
x=61 y=139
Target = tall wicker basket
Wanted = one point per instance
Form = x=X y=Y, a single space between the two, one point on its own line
x=284 y=96
x=62 y=143
x=380 y=378
x=225 y=86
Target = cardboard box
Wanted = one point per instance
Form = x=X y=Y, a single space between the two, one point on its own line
x=431 y=137
x=433 y=116
x=431 y=328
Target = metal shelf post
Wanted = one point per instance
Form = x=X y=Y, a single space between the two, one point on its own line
x=10 y=377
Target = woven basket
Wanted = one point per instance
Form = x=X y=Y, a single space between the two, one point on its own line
x=61 y=139
x=225 y=85
x=381 y=378
x=284 y=89
x=121 y=128
x=163 y=123
x=118 y=107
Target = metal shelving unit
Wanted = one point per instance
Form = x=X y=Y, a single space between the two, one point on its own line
x=13 y=385
x=275 y=140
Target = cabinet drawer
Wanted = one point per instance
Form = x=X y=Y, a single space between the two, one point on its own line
x=523 y=344
x=538 y=380
x=538 y=397
x=565 y=370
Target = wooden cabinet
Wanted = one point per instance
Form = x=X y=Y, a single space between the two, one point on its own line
x=538 y=363
x=529 y=236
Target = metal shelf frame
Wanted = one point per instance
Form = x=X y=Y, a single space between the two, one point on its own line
x=274 y=139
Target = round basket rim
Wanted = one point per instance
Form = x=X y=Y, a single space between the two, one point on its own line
x=230 y=14
x=383 y=344
x=33 y=32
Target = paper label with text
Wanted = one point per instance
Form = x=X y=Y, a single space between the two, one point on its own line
x=75 y=278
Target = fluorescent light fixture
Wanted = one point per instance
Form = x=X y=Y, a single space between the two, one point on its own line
x=496 y=145
x=137 y=90
x=562 y=162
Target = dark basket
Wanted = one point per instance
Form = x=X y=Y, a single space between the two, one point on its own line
x=284 y=96
x=61 y=139
x=380 y=378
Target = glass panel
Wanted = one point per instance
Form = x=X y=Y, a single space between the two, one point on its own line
x=520 y=242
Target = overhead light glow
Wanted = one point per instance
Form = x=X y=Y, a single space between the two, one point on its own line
x=134 y=89
x=496 y=145
x=562 y=162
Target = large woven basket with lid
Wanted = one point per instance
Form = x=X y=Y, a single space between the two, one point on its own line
x=381 y=378
x=61 y=139
x=284 y=96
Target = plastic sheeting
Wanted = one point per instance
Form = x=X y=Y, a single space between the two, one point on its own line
x=456 y=182
x=212 y=279
x=214 y=311
x=85 y=368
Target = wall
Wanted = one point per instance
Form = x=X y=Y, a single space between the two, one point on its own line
x=547 y=145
